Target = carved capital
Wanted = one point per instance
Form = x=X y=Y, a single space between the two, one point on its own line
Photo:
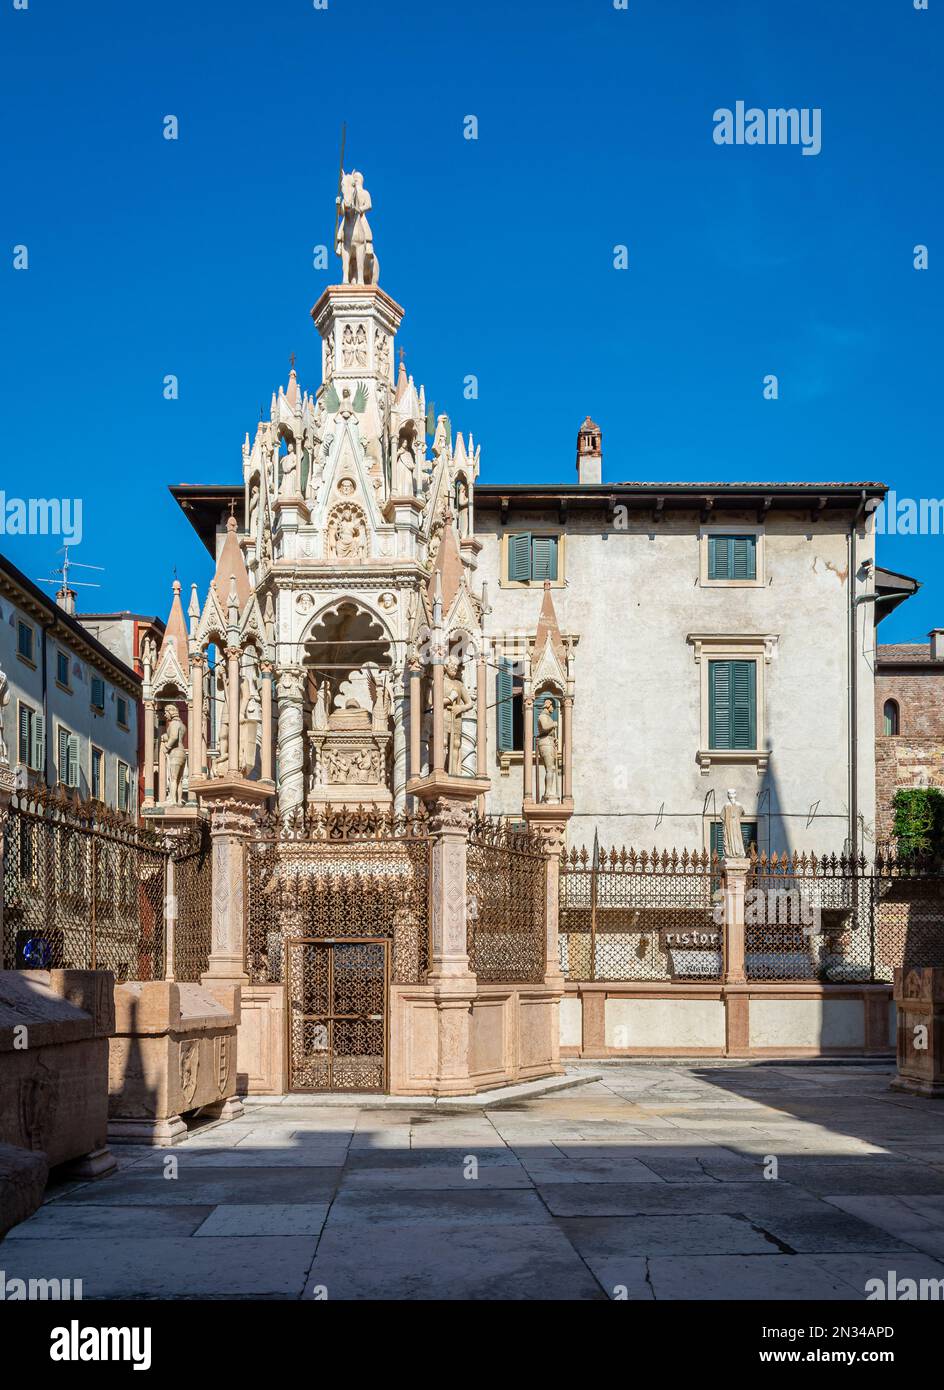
x=232 y=817
x=291 y=684
x=448 y=814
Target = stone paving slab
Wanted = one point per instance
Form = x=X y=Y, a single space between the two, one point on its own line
x=649 y=1183
x=131 y=1268
x=448 y=1260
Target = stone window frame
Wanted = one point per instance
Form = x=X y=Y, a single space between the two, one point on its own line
x=757 y=647
x=65 y=685
x=23 y=626
x=760 y=556
x=93 y=749
x=896 y=732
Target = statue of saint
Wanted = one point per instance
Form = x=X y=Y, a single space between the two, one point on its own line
x=355 y=242
x=221 y=763
x=547 y=751
x=456 y=702
x=731 y=825
x=175 y=754
x=253 y=524
x=250 y=715
x=289 y=486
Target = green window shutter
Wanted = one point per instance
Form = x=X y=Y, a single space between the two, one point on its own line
x=519 y=557
x=744 y=704
x=744 y=557
x=506 y=732
x=732 y=704
x=718 y=557
x=62 y=761
x=732 y=557
x=38 y=762
x=544 y=558
x=26 y=736
x=98 y=692
x=719 y=704
x=73 y=760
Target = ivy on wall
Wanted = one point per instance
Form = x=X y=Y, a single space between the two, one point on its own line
x=919 y=821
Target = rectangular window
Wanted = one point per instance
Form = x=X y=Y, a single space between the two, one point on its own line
x=732 y=557
x=532 y=558
x=24 y=641
x=98 y=759
x=510 y=706
x=98 y=693
x=32 y=739
x=123 y=712
x=124 y=787
x=732 y=704
x=68 y=758
x=62 y=669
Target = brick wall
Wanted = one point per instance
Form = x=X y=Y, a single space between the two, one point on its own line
x=915 y=757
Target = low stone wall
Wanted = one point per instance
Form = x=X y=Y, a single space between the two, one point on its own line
x=919 y=997
x=656 y=1019
x=173 y=1053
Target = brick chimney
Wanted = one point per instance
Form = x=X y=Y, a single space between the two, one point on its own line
x=589 y=453
x=65 y=598
x=936 y=638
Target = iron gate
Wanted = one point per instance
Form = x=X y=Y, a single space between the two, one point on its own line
x=337 y=1014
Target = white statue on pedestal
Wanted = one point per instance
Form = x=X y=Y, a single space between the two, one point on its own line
x=172 y=741
x=731 y=826
x=547 y=751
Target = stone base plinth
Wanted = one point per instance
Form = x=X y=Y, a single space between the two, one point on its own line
x=54 y=1031
x=919 y=997
x=446 y=1043
x=660 y=1018
x=23 y=1177
x=173 y=1053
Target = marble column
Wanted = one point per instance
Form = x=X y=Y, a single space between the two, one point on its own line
x=416 y=719
x=291 y=740
x=528 y=736
x=195 y=730
x=231 y=821
x=399 y=746
x=232 y=709
x=567 y=718
x=266 y=763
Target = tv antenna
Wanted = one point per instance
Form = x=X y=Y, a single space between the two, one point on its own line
x=60 y=576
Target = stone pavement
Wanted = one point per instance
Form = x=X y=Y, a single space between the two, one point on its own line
x=649 y=1184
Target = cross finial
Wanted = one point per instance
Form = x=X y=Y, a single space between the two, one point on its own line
x=291 y=358
x=232 y=509
x=402 y=355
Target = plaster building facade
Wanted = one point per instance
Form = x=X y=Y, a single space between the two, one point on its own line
x=71 y=707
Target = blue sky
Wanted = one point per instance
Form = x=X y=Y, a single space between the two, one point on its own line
x=194 y=257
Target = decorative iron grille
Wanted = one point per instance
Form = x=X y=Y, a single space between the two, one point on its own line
x=83 y=888
x=193 y=885
x=635 y=915
x=507 y=904
x=335 y=873
x=838 y=919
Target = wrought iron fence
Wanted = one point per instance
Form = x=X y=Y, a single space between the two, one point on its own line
x=638 y=915
x=333 y=873
x=83 y=888
x=193 y=886
x=507 y=904
x=840 y=919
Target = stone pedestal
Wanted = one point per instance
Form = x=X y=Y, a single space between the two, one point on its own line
x=232 y=803
x=449 y=801
x=735 y=893
x=173 y=1053
x=23 y=1176
x=54 y=1031
x=919 y=997
x=549 y=821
